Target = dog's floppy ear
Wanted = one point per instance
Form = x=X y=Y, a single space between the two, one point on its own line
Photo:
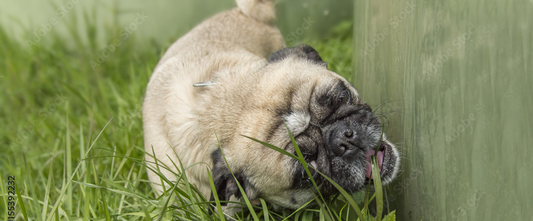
x=302 y=51
x=225 y=183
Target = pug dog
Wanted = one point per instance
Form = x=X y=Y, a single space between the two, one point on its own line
x=232 y=77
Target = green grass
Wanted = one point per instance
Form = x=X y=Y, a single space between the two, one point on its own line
x=72 y=135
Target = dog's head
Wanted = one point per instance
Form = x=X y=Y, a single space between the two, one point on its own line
x=335 y=130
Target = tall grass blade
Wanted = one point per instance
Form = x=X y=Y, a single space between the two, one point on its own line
x=377 y=187
x=266 y=214
x=215 y=195
x=62 y=193
x=390 y=217
x=244 y=196
x=21 y=203
x=68 y=160
x=47 y=192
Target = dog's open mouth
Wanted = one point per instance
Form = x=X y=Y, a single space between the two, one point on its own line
x=384 y=158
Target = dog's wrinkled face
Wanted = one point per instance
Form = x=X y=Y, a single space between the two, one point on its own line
x=341 y=135
x=336 y=132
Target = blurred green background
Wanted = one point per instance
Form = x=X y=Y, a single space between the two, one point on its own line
x=166 y=19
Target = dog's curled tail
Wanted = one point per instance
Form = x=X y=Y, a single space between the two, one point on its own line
x=261 y=10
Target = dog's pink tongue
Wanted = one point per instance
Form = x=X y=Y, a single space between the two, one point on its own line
x=369 y=154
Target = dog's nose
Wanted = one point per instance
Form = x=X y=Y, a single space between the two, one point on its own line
x=343 y=141
x=348 y=133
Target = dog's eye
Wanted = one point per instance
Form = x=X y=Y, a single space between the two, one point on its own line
x=343 y=98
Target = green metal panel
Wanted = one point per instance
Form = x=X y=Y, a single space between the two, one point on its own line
x=454 y=81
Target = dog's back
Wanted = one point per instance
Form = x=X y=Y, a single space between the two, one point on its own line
x=239 y=38
x=248 y=26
